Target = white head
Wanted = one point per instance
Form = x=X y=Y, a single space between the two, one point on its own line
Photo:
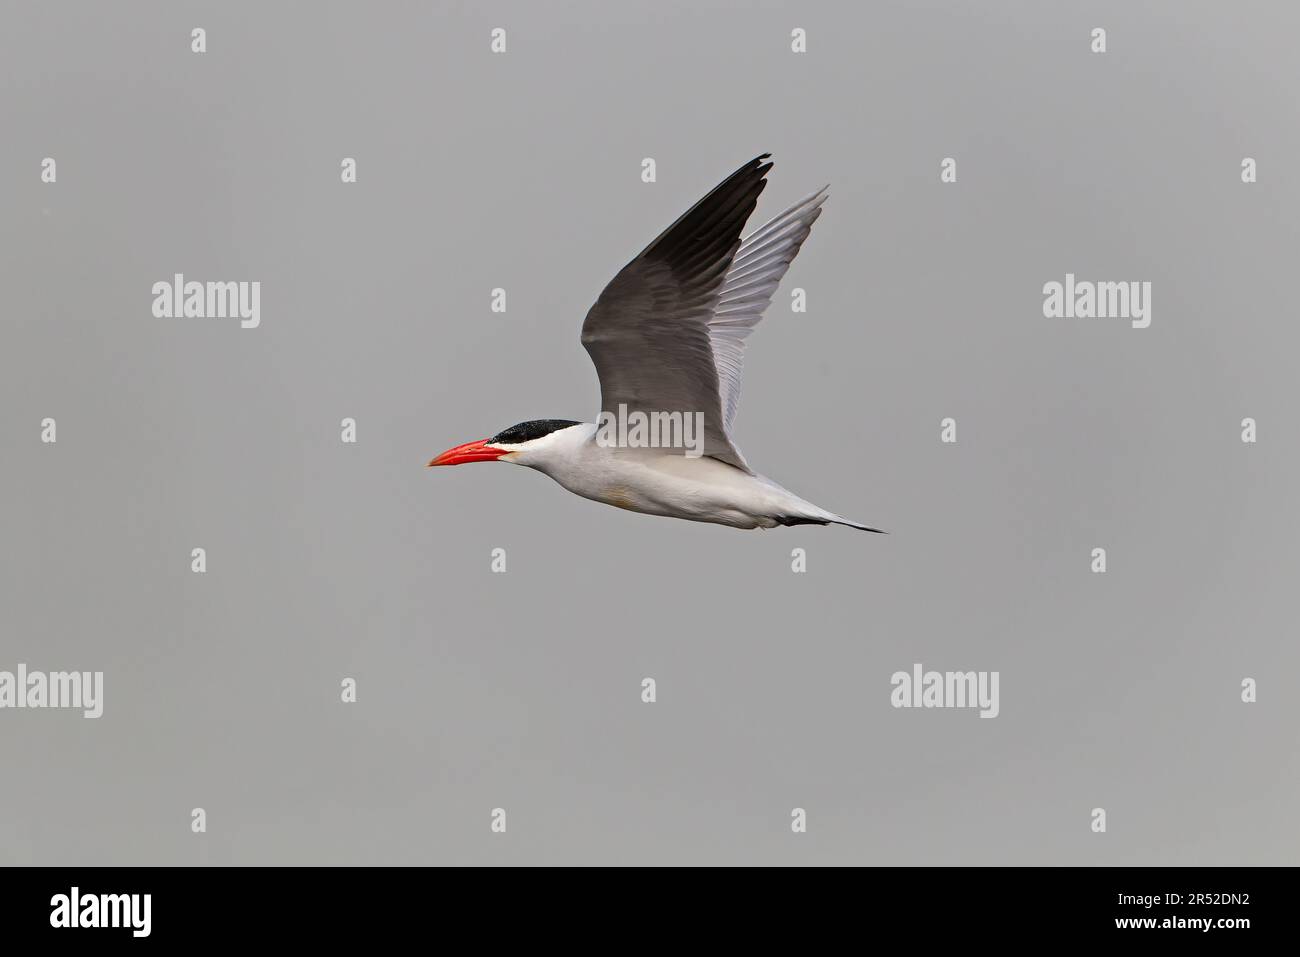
x=536 y=444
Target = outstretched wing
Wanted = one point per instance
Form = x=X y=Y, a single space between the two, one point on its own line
x=667 y=334
x=755 y=272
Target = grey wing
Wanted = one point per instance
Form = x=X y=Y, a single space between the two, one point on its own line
x=667 y=333
x=755 y=272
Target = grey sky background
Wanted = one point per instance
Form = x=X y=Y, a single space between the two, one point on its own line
x=479 y=690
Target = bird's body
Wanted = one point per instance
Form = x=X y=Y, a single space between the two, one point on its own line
x=702 y=489
x=667 y=337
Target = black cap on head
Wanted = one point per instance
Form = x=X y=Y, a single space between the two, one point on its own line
x=527 y=431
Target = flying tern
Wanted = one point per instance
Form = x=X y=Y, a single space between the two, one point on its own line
x=667 y=337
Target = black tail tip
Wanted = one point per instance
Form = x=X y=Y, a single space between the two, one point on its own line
x=789 y=520
x=862 y=528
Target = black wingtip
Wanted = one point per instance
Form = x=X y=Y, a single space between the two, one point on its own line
x=758 y=165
